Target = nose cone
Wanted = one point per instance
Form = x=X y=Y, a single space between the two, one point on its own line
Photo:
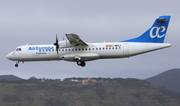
x=7 y=56
x=10 y=56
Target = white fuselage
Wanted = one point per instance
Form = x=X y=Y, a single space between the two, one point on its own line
x=94 y=51
x=76 y=50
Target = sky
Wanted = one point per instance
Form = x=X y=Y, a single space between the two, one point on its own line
x=38 y=21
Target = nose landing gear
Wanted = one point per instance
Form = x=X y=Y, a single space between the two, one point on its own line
x=16 y=65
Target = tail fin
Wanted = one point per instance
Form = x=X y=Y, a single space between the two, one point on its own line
x=156 y=33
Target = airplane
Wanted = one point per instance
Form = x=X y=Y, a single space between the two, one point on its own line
x=76 y=50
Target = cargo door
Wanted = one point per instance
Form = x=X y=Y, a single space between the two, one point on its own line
x=126 y=49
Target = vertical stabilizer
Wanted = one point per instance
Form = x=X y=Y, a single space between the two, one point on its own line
x=155 y=34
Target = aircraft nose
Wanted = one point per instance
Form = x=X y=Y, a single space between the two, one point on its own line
x=9 y=56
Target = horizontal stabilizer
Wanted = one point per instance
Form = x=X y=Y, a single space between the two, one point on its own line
x=162 y=19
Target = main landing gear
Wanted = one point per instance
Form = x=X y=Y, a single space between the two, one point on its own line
x=81 y=63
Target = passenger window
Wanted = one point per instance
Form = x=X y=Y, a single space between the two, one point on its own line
x=89 y=48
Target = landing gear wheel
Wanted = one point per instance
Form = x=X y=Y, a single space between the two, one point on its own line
x=16 y=65
x=81 y=63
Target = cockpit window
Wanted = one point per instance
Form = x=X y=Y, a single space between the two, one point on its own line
x=18 y=49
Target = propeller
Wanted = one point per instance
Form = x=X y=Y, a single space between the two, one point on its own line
x=56 y=44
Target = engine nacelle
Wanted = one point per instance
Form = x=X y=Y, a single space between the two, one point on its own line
x=64 y=43
x=69 y=57
x=82 y=57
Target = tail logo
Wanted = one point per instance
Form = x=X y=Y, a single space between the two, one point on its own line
x=156 y=31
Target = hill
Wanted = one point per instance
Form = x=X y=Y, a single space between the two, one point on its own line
x=9 y=77
x=105 y=92
x=169 y=79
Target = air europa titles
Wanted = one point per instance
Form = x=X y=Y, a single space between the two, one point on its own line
x=41 y=48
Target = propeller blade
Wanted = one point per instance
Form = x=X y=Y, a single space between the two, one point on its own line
x=56 y=44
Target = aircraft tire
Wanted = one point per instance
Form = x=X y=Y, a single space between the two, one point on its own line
x=79 y=63
x=83 y=63
x=16 y=65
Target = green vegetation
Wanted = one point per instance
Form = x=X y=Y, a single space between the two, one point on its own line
x=169 y=79
x=70 y=92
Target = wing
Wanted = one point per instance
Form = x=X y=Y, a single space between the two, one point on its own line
x=75 y=40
